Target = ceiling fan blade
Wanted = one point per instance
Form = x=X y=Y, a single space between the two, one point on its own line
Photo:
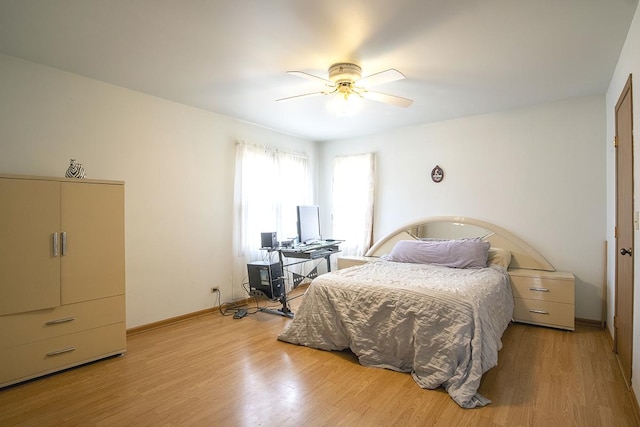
x=388 y=99
x=301 y=96
x=311 y=77
x=386 y=76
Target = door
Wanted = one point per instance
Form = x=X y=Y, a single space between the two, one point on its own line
x=623 y=319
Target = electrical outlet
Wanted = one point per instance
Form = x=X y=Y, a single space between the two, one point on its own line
x=215 y=289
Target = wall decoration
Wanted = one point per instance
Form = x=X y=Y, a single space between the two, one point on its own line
x=437 y=174
x=75 y=170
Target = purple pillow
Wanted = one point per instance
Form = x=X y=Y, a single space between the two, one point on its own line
x=463 y=253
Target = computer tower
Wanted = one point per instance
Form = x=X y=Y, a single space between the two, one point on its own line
x=265 y=278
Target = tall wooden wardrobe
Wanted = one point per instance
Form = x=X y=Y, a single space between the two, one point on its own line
x=62 y=274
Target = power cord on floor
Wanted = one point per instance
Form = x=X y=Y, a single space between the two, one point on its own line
x=233 y=308
x=227 y=309
x=241 y=310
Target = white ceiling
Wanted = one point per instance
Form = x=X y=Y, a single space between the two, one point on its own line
x=460 y=57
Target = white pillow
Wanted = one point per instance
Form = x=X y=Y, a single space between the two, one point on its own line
x=499 y=256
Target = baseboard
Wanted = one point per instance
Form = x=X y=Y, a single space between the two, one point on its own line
x=187 y=316
x=609 y=338
x=212 y=310
x=589 y=322
x=169 y=321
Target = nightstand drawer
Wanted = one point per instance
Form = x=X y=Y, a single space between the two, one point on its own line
x=557 y=286
x=545 y=313
x=543 y=289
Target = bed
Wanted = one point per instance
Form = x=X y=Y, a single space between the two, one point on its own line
x=432 y=299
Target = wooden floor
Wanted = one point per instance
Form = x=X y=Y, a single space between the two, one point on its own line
x=219 y=371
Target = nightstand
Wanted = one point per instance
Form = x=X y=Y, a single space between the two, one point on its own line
x=545 y=298
x=350 y=261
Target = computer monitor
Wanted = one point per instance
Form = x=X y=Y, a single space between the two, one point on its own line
x=308 y=224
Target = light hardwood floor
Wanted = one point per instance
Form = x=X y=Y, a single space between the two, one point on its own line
x=219 y=371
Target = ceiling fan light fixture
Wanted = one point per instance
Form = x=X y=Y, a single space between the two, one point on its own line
x=345 y=104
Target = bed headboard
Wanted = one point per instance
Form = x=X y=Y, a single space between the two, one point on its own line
x=454 y=227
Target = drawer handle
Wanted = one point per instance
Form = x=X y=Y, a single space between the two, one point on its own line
x=57 y=321
x=538 y=289
x=61 y=351
x=539 y=311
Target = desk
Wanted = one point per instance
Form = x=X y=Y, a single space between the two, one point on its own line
x=323 y=249
x=306 y=253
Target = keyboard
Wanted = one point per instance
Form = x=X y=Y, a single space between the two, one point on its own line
x=319 y=253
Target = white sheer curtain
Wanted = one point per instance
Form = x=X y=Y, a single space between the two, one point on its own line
x=353 y=195
x=269 y=184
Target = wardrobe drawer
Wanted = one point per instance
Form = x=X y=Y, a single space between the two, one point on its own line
x=545 y=313
x=35 y=359
x=32 y=326
x=543 y=288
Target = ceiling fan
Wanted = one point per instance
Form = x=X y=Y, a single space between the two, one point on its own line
x=346 y=81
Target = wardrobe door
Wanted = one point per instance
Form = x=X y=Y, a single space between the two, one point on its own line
x=29 y=229
x=92 y=220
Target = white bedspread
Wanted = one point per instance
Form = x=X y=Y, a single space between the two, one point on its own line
x=444 y=325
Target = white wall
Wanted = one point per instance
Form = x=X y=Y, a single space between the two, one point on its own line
x=628 y=63
x=538 y=172
x=177 y=163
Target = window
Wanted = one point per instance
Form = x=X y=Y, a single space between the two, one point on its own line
x=269 y=184
x=353 y=194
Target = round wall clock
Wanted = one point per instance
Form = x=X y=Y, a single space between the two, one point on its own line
x=437 y=174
